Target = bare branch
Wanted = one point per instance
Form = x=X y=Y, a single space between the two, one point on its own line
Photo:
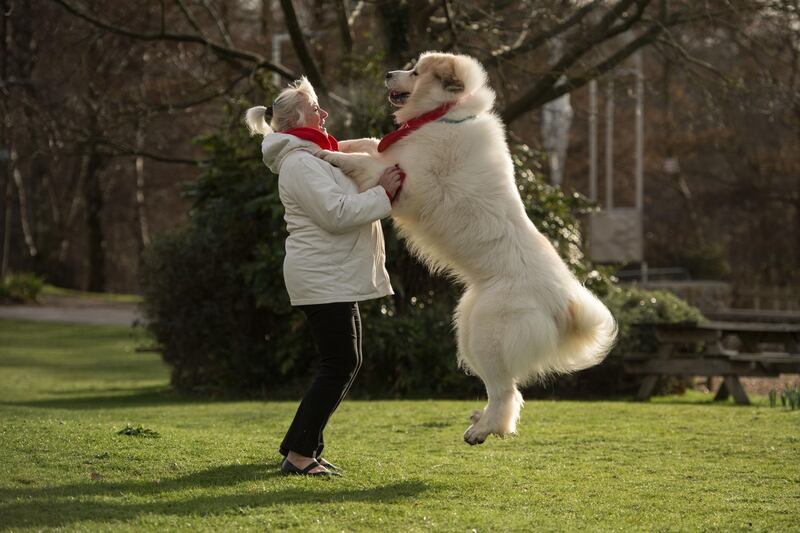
x=624 y=26
x=220 y=50
x=301 y=48
x=450 y=25
x=541 y=92
x=535 y=98
x=171 y=106
x=345 y=31
x=220 y=24
x=192 y=21
x=690 y=58
x=351 y=20
x=123 y=149
x=541 y=38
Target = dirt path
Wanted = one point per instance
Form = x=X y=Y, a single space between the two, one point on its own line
x=74 y=310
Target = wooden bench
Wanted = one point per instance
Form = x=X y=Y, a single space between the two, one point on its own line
x=674 y=355
x=754 y=315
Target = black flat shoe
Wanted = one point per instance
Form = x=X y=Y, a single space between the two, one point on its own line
x=289 y=468
x=326 y=464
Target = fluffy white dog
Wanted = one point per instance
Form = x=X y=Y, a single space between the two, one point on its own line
x=523 y=315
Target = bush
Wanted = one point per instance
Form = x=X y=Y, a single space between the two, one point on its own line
x=213 y=292
x=630 y=306
x=20 y=288
x=215 y=299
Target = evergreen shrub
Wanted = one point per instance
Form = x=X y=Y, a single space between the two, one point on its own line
x=20 y=287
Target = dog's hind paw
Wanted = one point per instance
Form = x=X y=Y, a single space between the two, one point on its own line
x=474 y=435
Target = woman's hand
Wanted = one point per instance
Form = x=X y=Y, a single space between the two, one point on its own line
x=391 y=180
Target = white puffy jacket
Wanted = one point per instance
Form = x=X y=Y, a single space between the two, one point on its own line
x=335 y=251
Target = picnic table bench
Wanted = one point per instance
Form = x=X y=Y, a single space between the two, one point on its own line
x=765 y=350
x=753 y=315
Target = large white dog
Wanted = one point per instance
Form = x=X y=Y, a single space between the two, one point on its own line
x=523 y=315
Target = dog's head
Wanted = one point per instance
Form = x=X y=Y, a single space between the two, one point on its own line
x=435 y=79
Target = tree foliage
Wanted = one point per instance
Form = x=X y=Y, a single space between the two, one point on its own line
x=101 y=100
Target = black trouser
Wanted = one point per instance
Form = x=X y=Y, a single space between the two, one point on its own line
x=336 y=330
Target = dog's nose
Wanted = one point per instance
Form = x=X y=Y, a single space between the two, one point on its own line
x=388 y=75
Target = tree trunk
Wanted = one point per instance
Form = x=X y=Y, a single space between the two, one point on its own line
x=345 y=32
x=22 y=196
x=266 y=19
x=94 y=223
x=395 y=27
x=141 y=212
x=301 y=47
x=3 y=138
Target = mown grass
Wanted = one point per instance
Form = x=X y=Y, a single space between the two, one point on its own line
x=66 y=391
x=52 y=290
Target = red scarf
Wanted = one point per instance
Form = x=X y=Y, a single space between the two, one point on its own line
x=414 y=124
x=320 y=138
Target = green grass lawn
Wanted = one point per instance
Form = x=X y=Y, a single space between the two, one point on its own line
x=52 y=290
x=65 y=392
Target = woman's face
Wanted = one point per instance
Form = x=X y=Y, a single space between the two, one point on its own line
x=314 y=115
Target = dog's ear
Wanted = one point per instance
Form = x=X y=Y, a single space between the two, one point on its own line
x=453 y=85
x=445 y=72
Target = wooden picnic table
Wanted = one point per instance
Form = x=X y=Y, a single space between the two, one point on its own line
x=753 y=315
x=766 y=350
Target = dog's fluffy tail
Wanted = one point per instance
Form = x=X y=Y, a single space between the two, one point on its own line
x=590 y=333
x=256 y=122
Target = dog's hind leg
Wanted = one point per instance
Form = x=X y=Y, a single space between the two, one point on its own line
x=461 y=321
x=485 y=349
x=500 y=414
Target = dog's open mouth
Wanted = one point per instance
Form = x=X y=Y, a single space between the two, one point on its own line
x=398 y=98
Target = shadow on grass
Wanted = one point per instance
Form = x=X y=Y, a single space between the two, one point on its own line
x=165 y=396
x=139 y=397
x=62 y=505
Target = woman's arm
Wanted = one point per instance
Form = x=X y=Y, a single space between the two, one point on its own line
x=313 y=187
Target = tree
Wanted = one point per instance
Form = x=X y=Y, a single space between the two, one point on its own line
x=177 y=64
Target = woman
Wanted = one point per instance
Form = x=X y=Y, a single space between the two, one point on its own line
x=334 y=256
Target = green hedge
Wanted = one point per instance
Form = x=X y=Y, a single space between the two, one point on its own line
x=215 y=299
x=20 y=288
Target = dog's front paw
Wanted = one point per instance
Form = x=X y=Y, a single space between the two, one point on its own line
x=327 y=155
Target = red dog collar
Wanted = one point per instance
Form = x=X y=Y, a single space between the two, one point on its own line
x=414 y=124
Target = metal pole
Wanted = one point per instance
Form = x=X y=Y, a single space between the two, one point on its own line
x=639 y=132
x=640 y=153
x=593 y=140
x=610 y=144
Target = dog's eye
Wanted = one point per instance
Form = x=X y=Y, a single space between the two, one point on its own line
x=414 y=72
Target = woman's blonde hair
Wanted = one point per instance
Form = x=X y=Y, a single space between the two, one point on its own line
x=286 y=111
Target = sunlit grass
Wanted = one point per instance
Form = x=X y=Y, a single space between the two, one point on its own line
x=678 y=463
x=52 y=290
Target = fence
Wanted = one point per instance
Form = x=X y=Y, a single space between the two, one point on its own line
x=768 y=298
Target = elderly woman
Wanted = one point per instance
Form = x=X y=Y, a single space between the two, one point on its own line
x=334 y=257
